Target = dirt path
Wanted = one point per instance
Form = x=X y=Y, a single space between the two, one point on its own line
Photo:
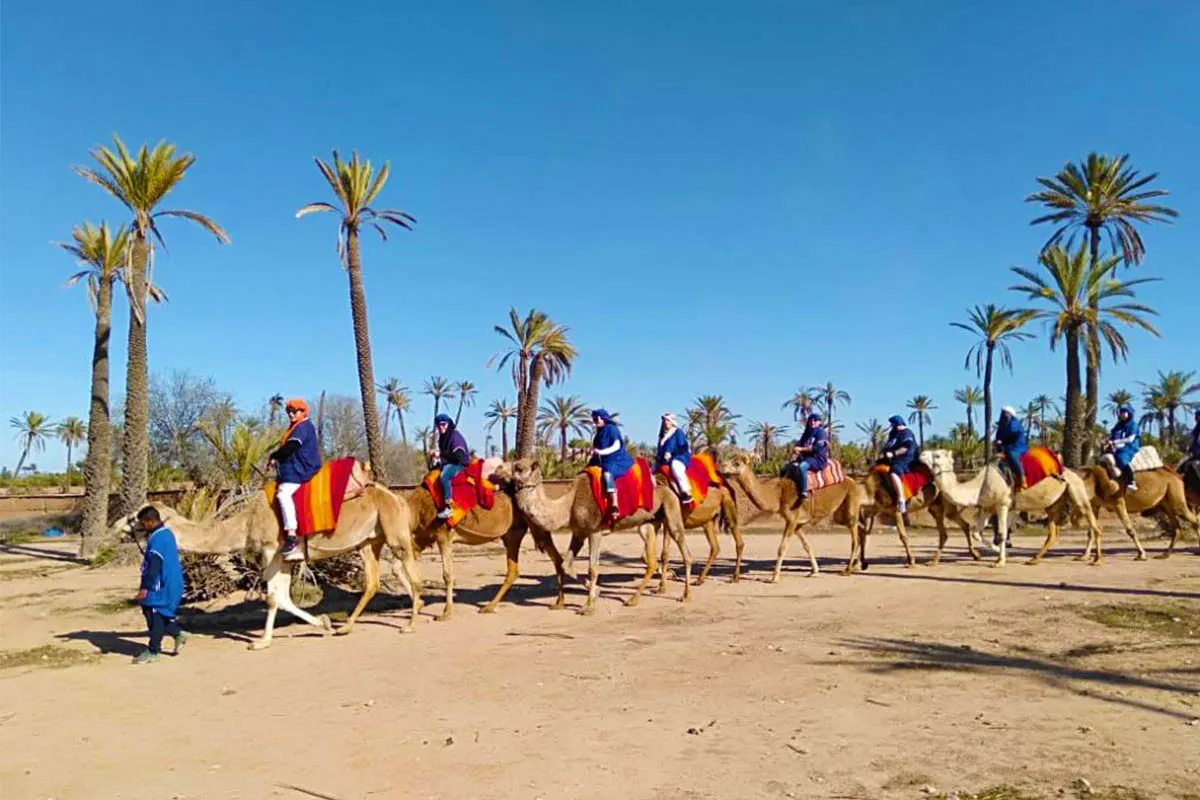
x=877 y=686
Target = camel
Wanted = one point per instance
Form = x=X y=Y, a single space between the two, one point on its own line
x=841 y=501
x=1160 y=491
x=366 y=523
x=881 y=501
x=991 y=494
x=480 y=526
x=578 y=510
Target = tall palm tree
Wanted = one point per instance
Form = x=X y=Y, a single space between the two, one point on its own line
x=439 y=389
x=765 y=435
x=140 y=183
x=564 y=415
x=103 y=254
x=997 y=327
x=1029 y=416
x=716 y=420
x=801 y=403
x=829 y=397
x=71 y=432
x=920 y=406
x=398 y=398
x=1156 y=412
x=356 y=186
x=539 y=353
x=466 y=397
x=500 y=412
x=425 y=434
x=275 y=404
x=32 y=428
x=1174 y=390
x=1044 y=404
x=874 y=431
x=970 y=396
x=1116 y=399
x=1080 y=293
x=388 y=389
x=1100 y=197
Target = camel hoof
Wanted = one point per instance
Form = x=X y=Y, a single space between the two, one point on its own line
x=659 y=590
x=1080 y=558
x=326 y=623
x=489 y=609
x=997 y=564
x=736 y=578
x=910 y=565
x=258 y=644
x=444 y=616
x=1033 y=562
x=633 y=601
x=700 y=581
x=1161 y=556
x=1095 y=563
x=344 y=630
x=587 y=611
x=1140 y=557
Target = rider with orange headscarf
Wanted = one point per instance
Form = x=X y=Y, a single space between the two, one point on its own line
x=296 y=461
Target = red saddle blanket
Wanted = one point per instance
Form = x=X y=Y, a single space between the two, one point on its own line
x=702 y=473
x=913 y=482
x=1039 y=463
x=319 y=502
x=468 y=488
x=635 y=489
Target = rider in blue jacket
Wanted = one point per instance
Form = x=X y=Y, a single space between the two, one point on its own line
x=609 y=453
x=811 y=453
x=675 y=453
x=1012 y=443
x=1124 y=441
x=899 y=452
x=161 y=588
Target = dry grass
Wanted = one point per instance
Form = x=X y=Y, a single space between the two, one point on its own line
x=31 y=572
x=51 y=656
x=1176 y=621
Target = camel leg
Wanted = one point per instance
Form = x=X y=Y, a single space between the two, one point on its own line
x=714 y=550
x=939 y=519
x=864 y=538
x=680 y=536
x=789 y=526
x=279 y=587
x=512 y=568
x=589 y=606
x=410 y=578
x=664 y=565
x=855 y=550
x=1051 y=538
x=812 y=559
x=445 y=542
x=739 y=544
x=369 y=550
x=577 y=541
x=902 y=529
x=1001 y=532
x=1174 y=524
x=648 y=557
x=1141 y=551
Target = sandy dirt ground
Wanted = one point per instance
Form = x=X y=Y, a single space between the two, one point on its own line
x=895 y=684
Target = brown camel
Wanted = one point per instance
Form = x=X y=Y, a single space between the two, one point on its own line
x=366 y=523
x=578 y=510
x=881 y=501
x=480 y=526
x=841 y=502
x=1160 y=492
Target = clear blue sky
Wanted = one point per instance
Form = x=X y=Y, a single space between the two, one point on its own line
x=807 y=191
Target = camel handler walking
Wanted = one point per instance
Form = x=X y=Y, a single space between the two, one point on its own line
x=161 y=589
x=296 y=461
x=1012 y=442
x=899 y=452
x=674 y=452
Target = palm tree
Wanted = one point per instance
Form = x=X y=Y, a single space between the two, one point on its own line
x=1029 y=416
x=275 y=404
x=970 y=396
x=829 y=396
x=398 y=398
x=921 y=405
x=239 y=449
x=104 y=254
x=1080 y=294
x=1116 y=399
x=466 y=397
x=425 y=434
x=997 y=327
x=1156 y=412
x=501 y=411
x=140 y=183
x=71 y=432
x=1174 y=389
x=356 y=189
x=765 y=434
x=1044 y=403
x=1099 y=197
x=540 y=353
x=875 y=432
x=32 y=428
x=439 y=389
x=388 y=389
x=801 y=404
x=564 y=414
x=715 y=418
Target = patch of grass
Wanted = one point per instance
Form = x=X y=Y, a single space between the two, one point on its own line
x=20 y=537
x=906 y=780
x=305 y=594
x=51 y=656
x=1001 y=792
x=117 y=605
x=1115 y=793
x=30 y=572
x=1162 y=619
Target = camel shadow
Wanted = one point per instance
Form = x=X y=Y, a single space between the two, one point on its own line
x=1062 y=586
x=122 y=643
x=934 y=656
x=41 y=553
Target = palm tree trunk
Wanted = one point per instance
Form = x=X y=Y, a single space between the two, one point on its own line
x=1073 y=425
x=562 y=444
x=921 y=427
x=527 y=415
x=1171 y=425
x=362 y=347
x=135 y=441
x=458 y=414
x=21 y=460
x=403 y=433
x=970 y=420
x=67 y=479
x=321 y=422
x=987 y=402
x=504 y=438
x=387 y=417
x=1092 y=402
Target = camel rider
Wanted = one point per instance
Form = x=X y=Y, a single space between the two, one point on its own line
x=1012 y=442
x=453 y=456
x=675 y=452
x=899 y=452
x=811 y=452
x=789 y=468
x=608 y=451
x=296 y=461
x=1192 y=459
x=1124 y=441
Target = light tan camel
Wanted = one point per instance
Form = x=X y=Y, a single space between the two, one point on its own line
x=480 y=526
x=366 y=523
x=578 y=510
x=841 y=502
x=1160 y=491
x=882 y=502
x=990 y=493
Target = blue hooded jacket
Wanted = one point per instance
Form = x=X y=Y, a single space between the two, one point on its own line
x=1125 y=438
x=162 y=574
x=452 y=445
x=898 y=439
x=818 y=440
x=303 y=463
x=616 y=463
x=677 y=446
x=1010 y=435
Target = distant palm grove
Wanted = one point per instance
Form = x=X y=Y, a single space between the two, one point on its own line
x=175 y=426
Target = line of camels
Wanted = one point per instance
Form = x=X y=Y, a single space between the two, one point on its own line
x=407 y=524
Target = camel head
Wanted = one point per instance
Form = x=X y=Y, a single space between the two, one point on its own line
x=497 y=471
x=940 y=462
x=736 y=462
x=127 y=527
x=525 y=473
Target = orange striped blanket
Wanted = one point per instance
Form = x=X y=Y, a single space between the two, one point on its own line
x=833 y=473
x=469 y=488
x=702 y=473
x=1039 y=463
x=635 y=489
x=913 y=482
x=319 y=502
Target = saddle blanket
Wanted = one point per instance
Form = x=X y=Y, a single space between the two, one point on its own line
x=1040 y=463
x=635 y=489
x=832 y=474
x=702 y=473
x=319 y=501
x=469 y=488
x=913 y=481
x=1144 y=459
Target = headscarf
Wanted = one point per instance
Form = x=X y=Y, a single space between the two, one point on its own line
x=669 y=426
x=814 y=417
x=1125 y=409
x=440 y=418
x=295 y=404
x=600 y=413
x=1012 y=412
x=896 y=421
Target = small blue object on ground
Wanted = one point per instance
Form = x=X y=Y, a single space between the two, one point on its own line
x=52 y=533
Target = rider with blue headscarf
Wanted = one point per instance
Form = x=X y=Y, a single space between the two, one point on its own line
x=453 y=456
x=1124 y=441
x=899 y=452
x=811 y=452
x=609 y=453
x=1012 y=443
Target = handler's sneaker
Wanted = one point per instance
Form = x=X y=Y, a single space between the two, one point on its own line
x=145 y=657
